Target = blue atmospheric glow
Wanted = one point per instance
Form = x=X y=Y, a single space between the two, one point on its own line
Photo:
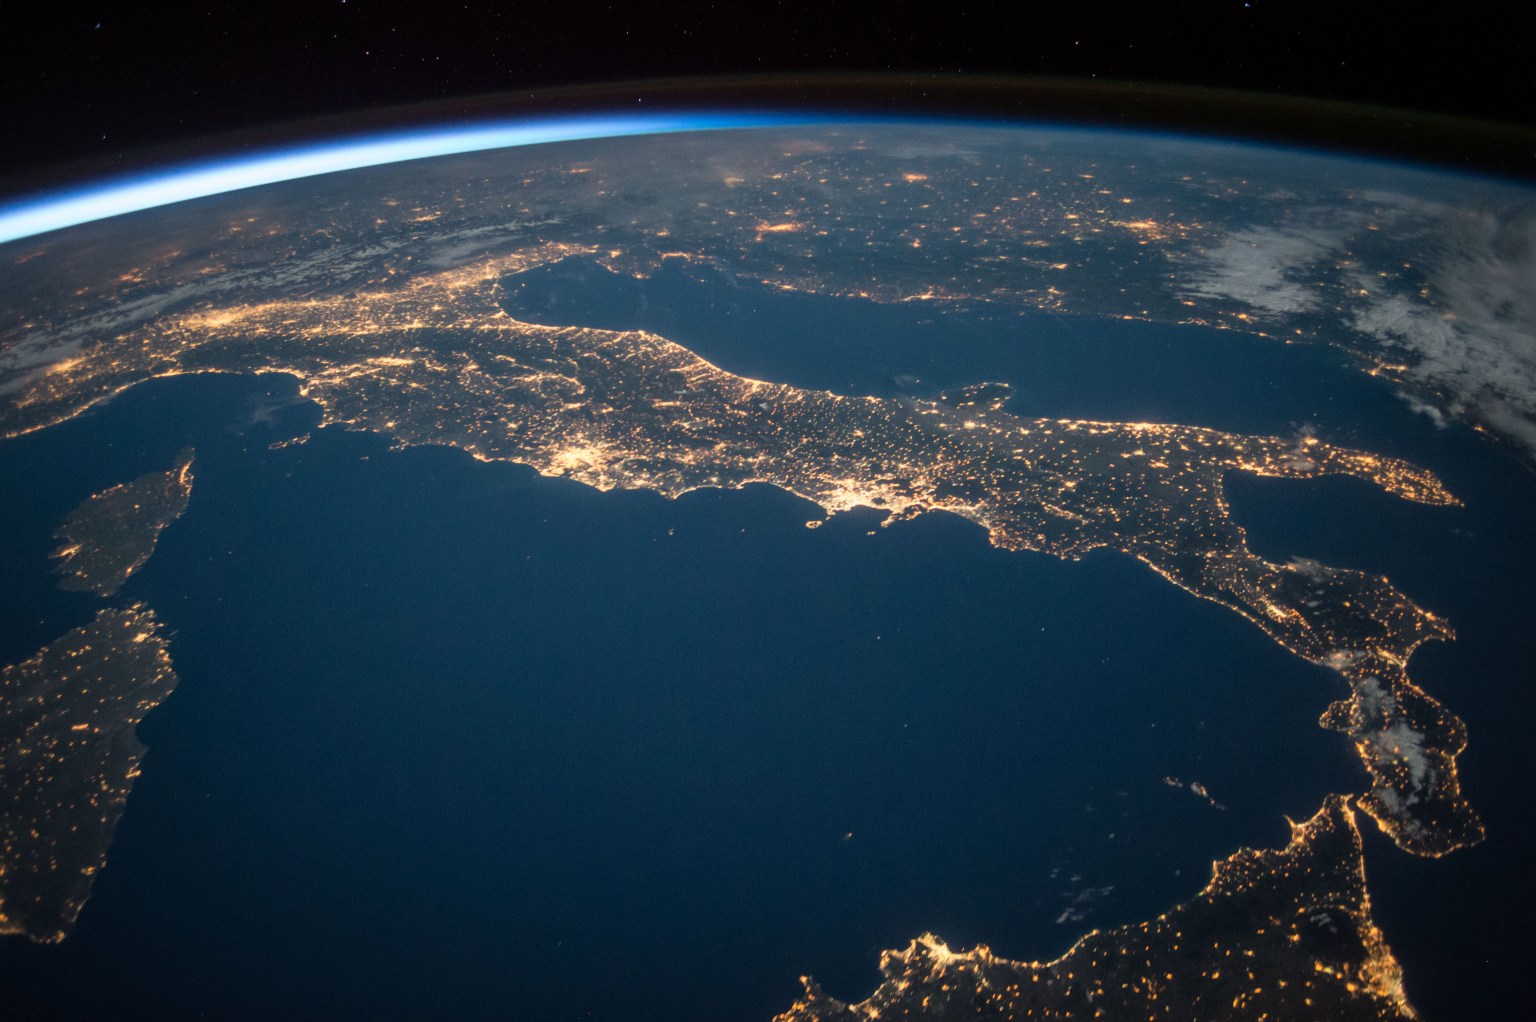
x=114 y=198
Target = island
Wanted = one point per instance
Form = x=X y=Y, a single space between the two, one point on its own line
x=1276 y=934
x=68 y=758
x=434 y=359
x=110 y=534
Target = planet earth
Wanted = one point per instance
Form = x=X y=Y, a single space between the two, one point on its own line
x=818 y=569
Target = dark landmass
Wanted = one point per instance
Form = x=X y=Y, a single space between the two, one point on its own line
x=111 y=534
x=68 y=758
x=1277 y=934
x=435 y=360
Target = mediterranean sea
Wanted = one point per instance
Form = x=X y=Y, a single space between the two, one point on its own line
x=455 y=739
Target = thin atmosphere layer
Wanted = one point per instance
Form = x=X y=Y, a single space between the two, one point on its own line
x=67 y=208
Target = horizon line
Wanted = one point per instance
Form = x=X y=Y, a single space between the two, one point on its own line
x=47 y=211
x=53 y=211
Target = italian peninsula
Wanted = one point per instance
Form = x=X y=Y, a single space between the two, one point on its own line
x=433 y=359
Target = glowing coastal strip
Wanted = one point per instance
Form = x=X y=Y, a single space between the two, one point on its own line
x=97 y=202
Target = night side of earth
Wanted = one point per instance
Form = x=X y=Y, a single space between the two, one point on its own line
x=782 y=407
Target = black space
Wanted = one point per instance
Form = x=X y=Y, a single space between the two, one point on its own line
x=87 y=84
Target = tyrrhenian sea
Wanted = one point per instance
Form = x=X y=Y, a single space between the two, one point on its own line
x=456 y=739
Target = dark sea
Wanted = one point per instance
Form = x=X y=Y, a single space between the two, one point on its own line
x=454 y=739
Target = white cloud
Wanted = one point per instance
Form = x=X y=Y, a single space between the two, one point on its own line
x=1447 y=291
x=1392 y=744
x=1266 y=269
x=1473 y=341
x=1343 y=659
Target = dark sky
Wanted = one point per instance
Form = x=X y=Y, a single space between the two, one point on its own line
x=85 y=83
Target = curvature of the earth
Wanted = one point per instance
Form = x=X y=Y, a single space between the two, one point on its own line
x=1087 y=344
